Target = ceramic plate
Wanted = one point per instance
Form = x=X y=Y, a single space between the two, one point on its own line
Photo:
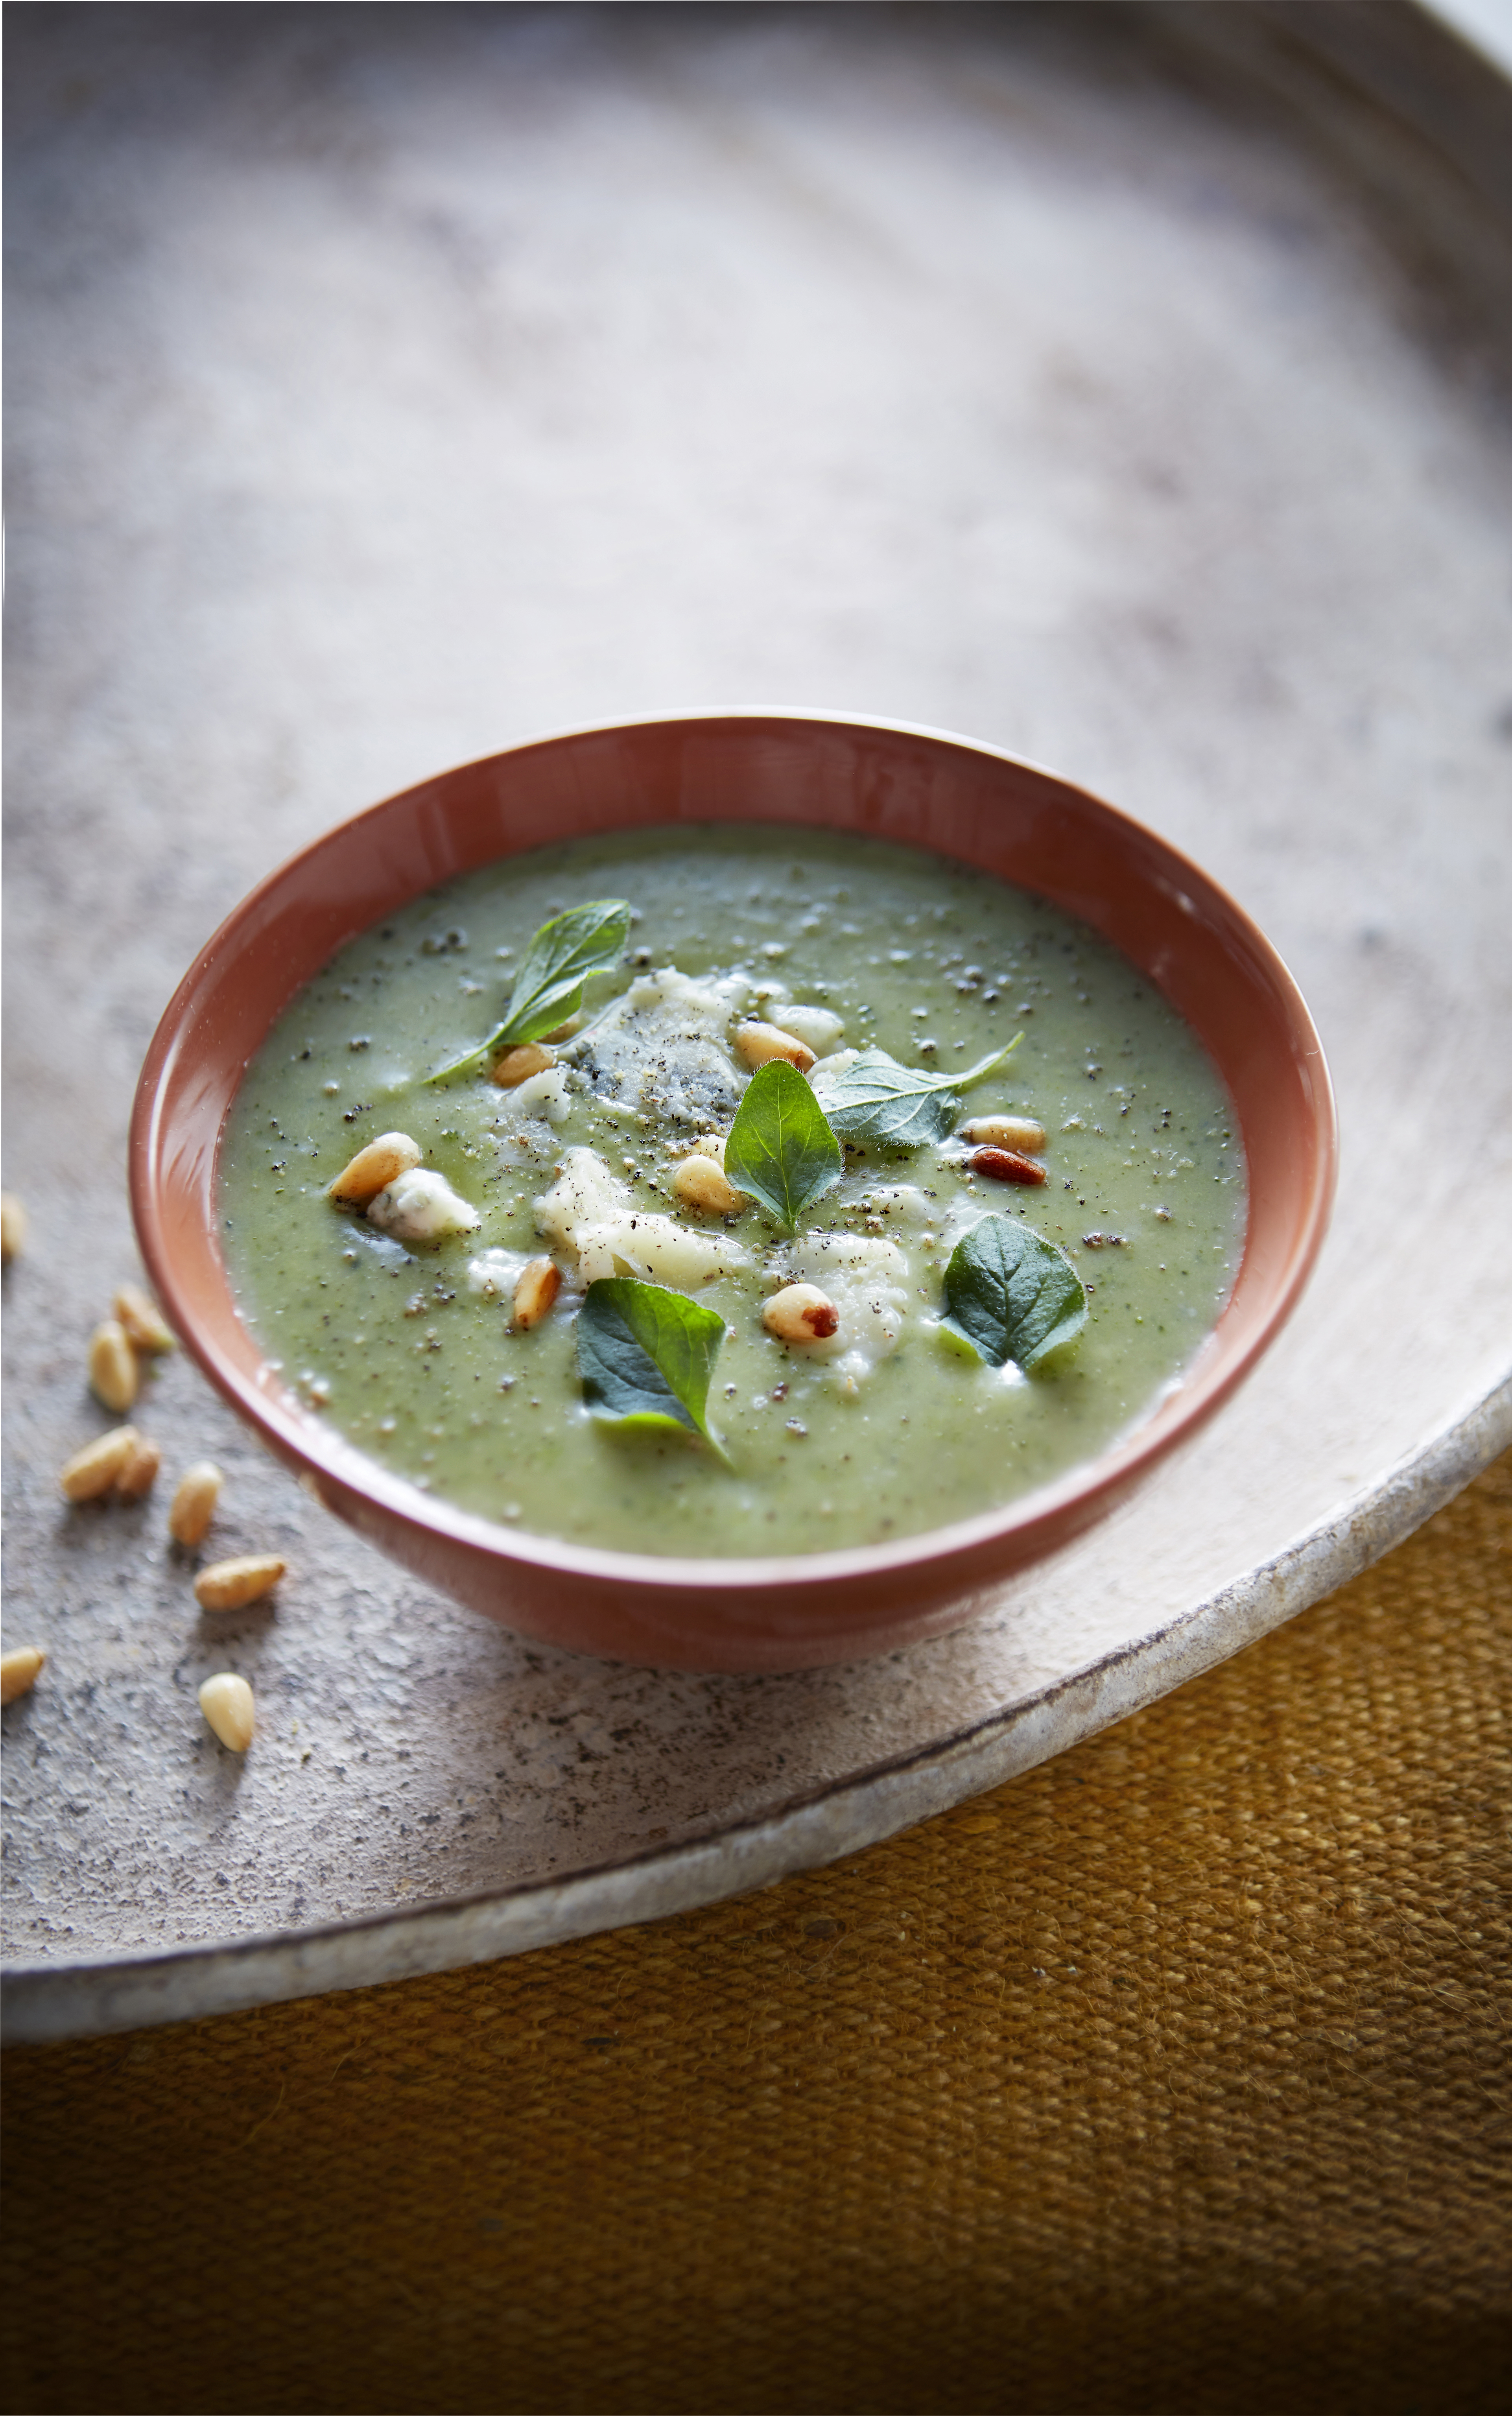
x=1122 y=387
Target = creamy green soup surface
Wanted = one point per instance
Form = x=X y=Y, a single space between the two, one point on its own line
x=884 y=1429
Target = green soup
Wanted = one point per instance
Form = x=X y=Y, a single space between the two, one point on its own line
x=889 y=1429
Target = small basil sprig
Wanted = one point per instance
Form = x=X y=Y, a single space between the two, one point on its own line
x=646 y=1355
x=781 y=1149
x=877 y=1099
x=548 y=984
x=1011 y=1294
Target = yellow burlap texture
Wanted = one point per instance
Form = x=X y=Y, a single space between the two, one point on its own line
x=1172 y=2076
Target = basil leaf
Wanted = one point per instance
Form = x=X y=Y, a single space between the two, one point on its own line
x=548 y=984
x=646 y=1355
x=564 y=952
x=1011 y=1294
x=781 y=1149
x=877 y=1099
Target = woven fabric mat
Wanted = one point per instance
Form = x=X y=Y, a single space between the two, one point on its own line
x=1173 y=2076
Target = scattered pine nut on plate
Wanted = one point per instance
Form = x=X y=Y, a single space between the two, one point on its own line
x=114 y=1374
x=192 y=1507
x=231 y=1585
x=96 y=1469
x=138 y=1472
x=226 y=1701
x=17 y=1672
x=142 y=1320
x=12 y=1227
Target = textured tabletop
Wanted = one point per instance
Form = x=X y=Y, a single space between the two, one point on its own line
x=1173 y=2076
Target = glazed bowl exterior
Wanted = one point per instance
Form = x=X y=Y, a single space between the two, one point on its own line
x=884 y=780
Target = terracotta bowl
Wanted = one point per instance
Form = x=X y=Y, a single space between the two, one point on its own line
x=889 y=781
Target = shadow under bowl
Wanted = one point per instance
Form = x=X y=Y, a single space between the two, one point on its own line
x=886 y=781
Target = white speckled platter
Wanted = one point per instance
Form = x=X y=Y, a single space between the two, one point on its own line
x=1121 y=387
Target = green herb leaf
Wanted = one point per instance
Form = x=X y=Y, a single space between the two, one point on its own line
x=1011 y=1294
x=548 y=984
x=781 y=1149
x=559 y=960
x=646 y=1355
x=877 y=1099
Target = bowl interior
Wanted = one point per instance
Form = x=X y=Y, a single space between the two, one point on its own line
x=896 y=783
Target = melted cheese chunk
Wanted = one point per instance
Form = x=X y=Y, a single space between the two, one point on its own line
x=590 y=1215
x=543 y=1095
x=817 y=1027
x=663 y=1049
x=421 y=1207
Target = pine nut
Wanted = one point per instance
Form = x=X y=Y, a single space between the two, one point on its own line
x=192 y=1508
x=700 y=1185
x=141 y=1318
x=114 y=1374
x=17 y=1672
x=535 y=1291
x=231 y=1585
x=226 y=1701
x=12 y=1227
x=138 y=1473
x=95 y=1470
x=1006 y=1132
x=759 y=1043
x=1005 y=1165
x=518 y=1064
x=375 y=1167
x=801 y=1313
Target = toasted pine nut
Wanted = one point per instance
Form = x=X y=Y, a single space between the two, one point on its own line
x=139 y=1474
x=759 y=1043
x=17 y=1672
x=140 y=1314
x=700 y=1185
x=231 y=1585
x=518 y=1064
x=95 y=1470
x=12 y=1227
x=801 y=1313
x=1006 y=1165
x=114 y=1374
x=226 y=1701
x=192 y=1507
x=535 y=1291
x=375 y=1167
x=1007 y=1132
